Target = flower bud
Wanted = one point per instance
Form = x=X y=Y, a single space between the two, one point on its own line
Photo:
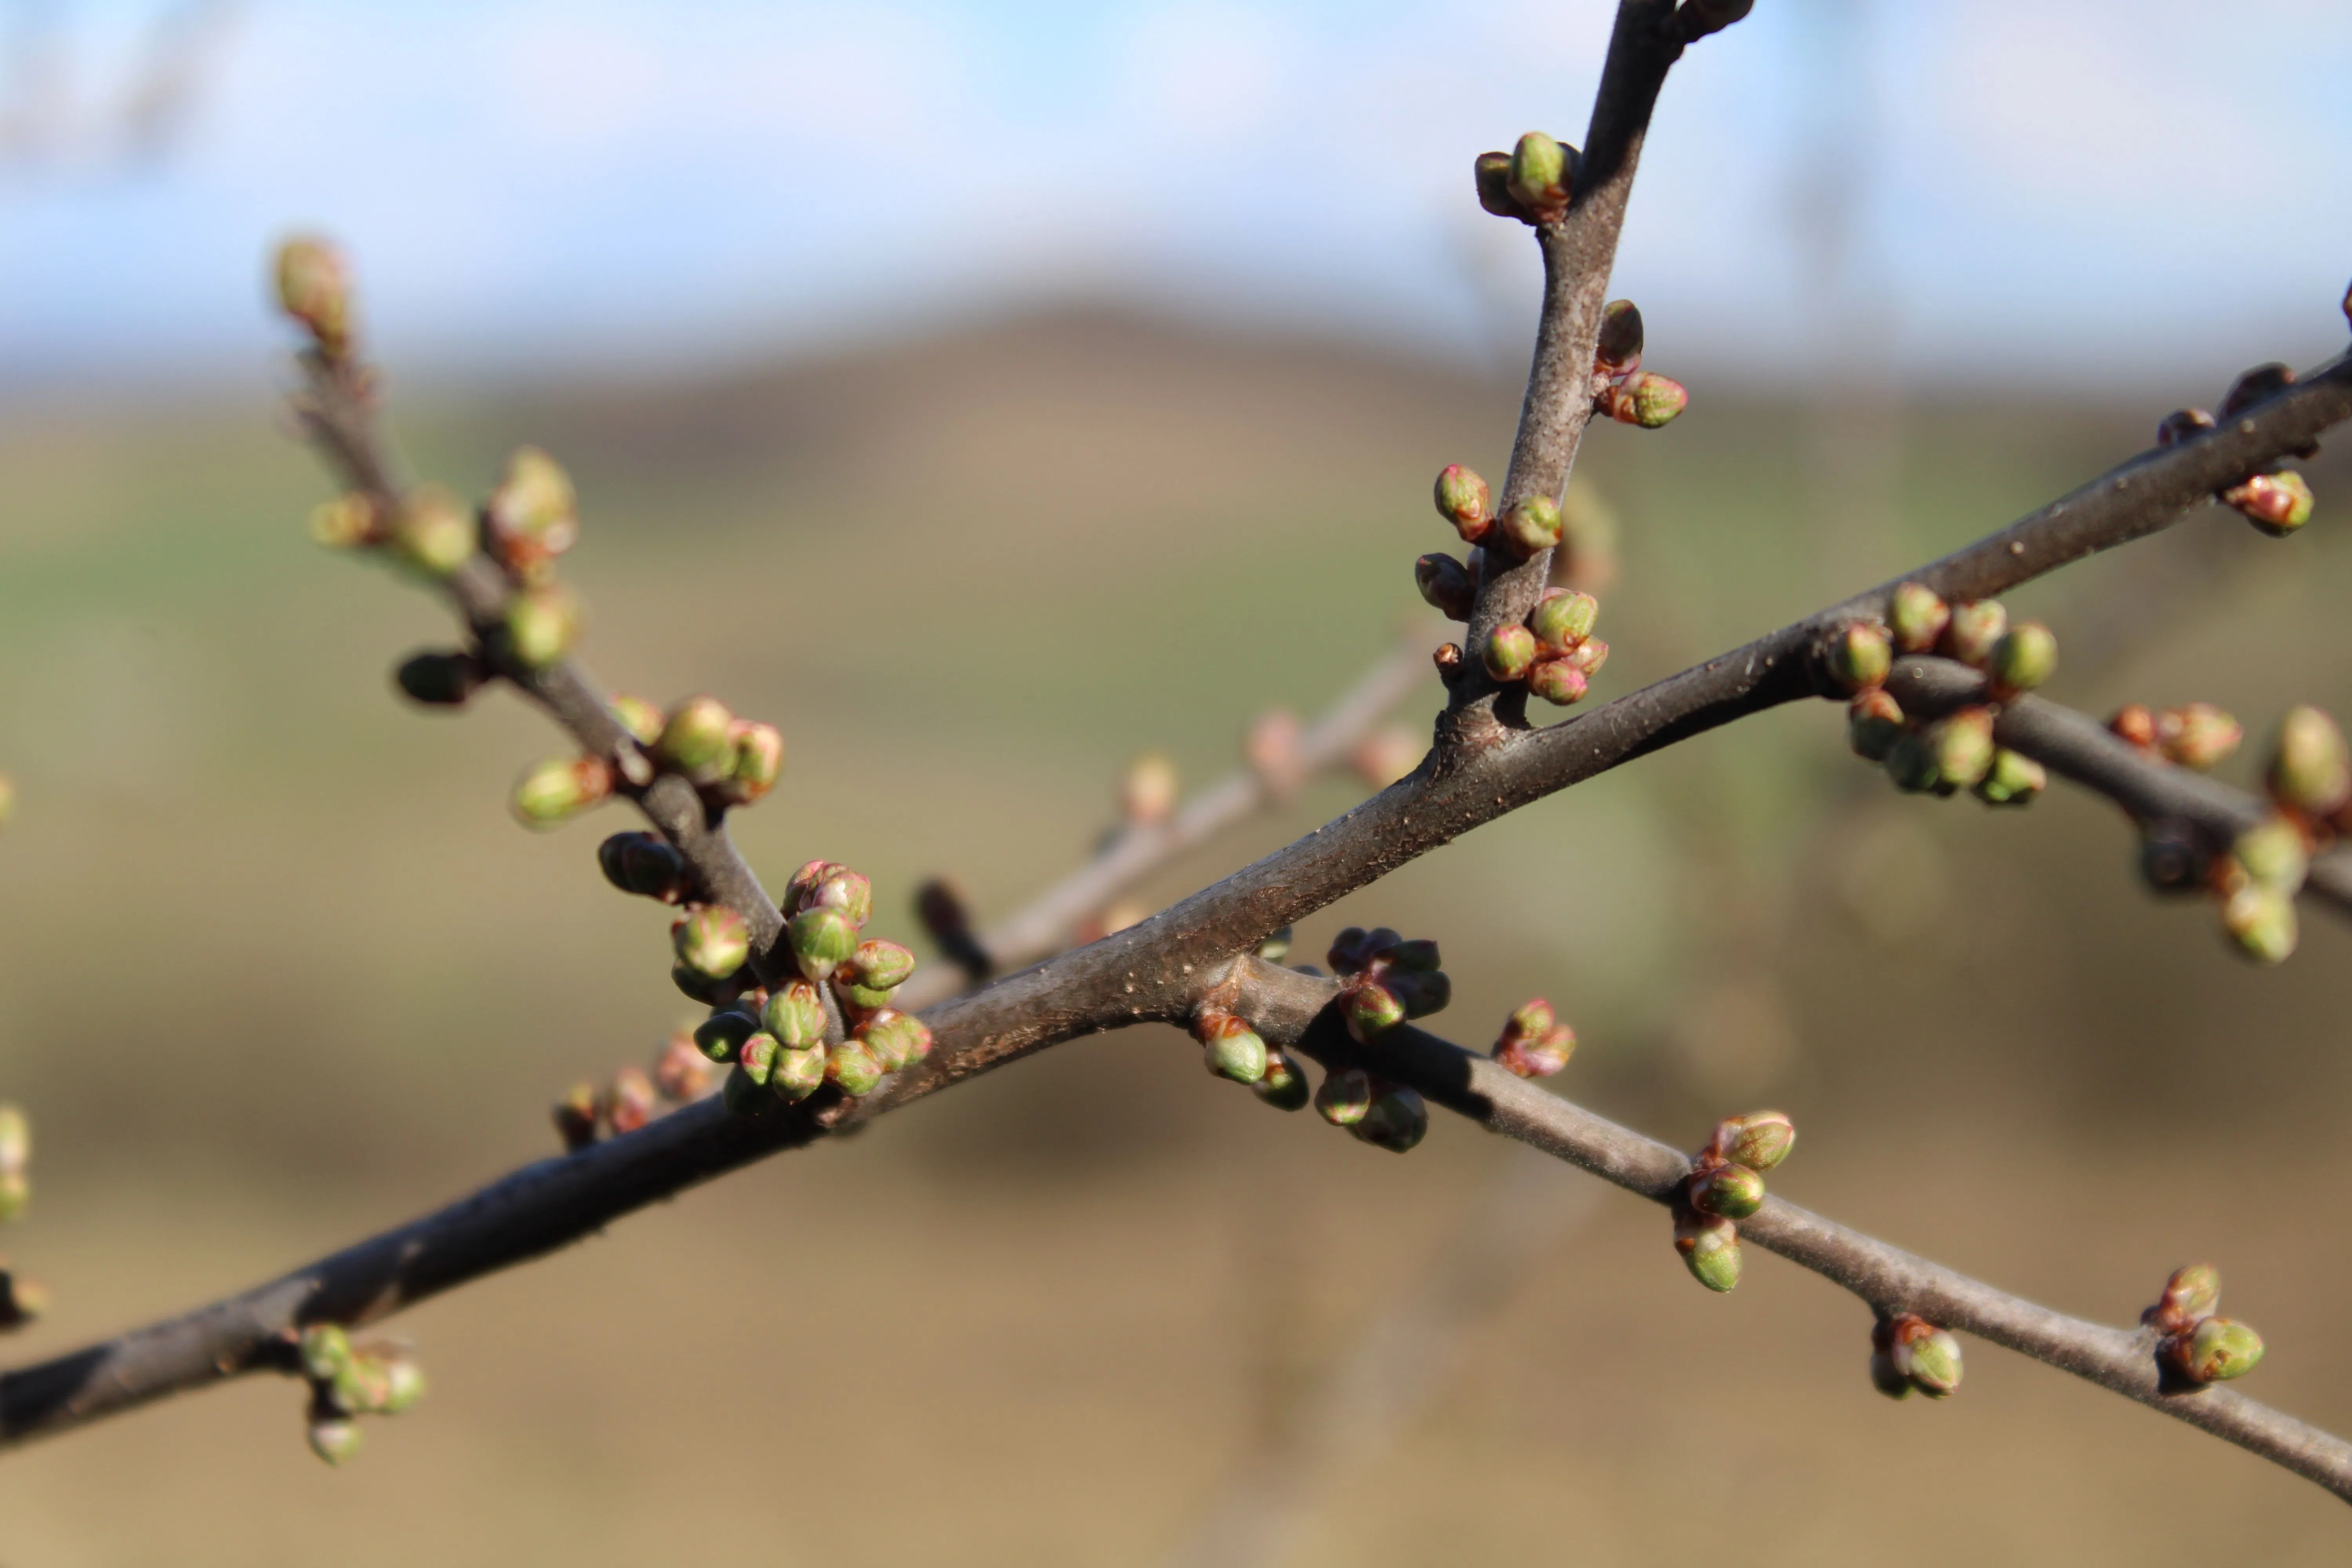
x=1758 y=1140
x=842 y=889
x=1910 y=762
x=694 y=742
x=640 y=717
x=629 y=1100
x=2262 y=383
x=681 y=1072
x=1858 y=656
x=2216 y=1350
x=1542 y=171
x=432 y=530
x=1587 y=656
x=1396 y=1121
x=575 y=1116
x=404 y=1385
x=1345 y=1097
x=720 y=1036
x=2025 y=657
x=2013 y=779
x=345 y=522
x=2261 y=920
x=324 y=1351
x=2196 y=735
x=2181 y=424
x=1509 y=653
x=1493 y=171
x=1231 y=1048
x=742 y=1097
x=1928 y=1356
x=1564 y=618
x=1558 y=682
x=1973 y=631
x=560 y=788
x=1709 y=1248
x=1961 y=744
x=1728 y=1192
x=757 y=1059
x=880 y=965
x=799 y=1071
x=2134 y=725
x=534 y=514
x=1388 y=756
x=439 y=679
x=2276 y=503
x=314 y=287
x=540 y=626
x=1463 y=500
x=1371 y=1009
x=1873 y=722
x=854 y=1066
x=334 y=1438
x=1646 y=398
x=759 y=761
x=2191 y=1296
x=2273 y=854
x=1620 y=347
x=822 y=938
x=898 y=1040
x=1147 y=789
x=16 y=1140
x=1916 y=617
x=795 y=1015
x=2310 y=770
x=1444 y=585
x=1537 y=1056
x=712 y=939
x=1529 y=528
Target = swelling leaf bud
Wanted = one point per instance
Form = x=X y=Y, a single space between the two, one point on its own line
x=324 y=1351
x=842 y=889
x=2261 y=921
x=533 y=515
x=1396 y=1121
x=1493 y=171
x=1345 y=1097
x=1973 y=631
x=2216 y=1350
x=759 y=761
x=2025 y=657
x=433 y=532
x=693 y=741
x=1537 y=1056
x=1587 y=656
x=314 y=287
x=1371 y=1009
x=795 y=1015
x=575 y=1116
x=1529 y=528
x=854 y=1066
x=2273 y=854
x=1646 y=398
x=1927 y=1355
x=1961 y=745
x=2310 y=770
x=1564 y=618
x=2191 y=1295
x=2275 y=503
x=1859 y=656
x=1709 y=1248
x=1728 y=1192
x=1444 y=585
x=2197 y=735
x=640 y=717
x=560 y=788
x=2012 y=780
x=1231 y=1048
x=1620 y=348
x=1509 y=653
x=822 y=940
x=898 y=1040
x=1147 y=789
x=880 y=965
x=1558 y=681
x=799 y=1071
x=1873 y=722
x=712 y=940
x=1758 y=1140
x=439 y=679
x=1463 y=500
x=1447 y=657
x=1916 y=617
x=540 y=626
x=1542 y=171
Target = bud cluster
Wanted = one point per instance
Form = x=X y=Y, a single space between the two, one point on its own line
x=1230 y=1048
x=1535 y=1044
x=1532 y=183
x=1373 y=1110
x=2277 y=501
x=2193 y=1343
x=1908 y=1352
x=1385 y=980
x=632 y=1095
x=1956 y=752
x=1727 y=1186
x=348 y=1381
x=1621 y=389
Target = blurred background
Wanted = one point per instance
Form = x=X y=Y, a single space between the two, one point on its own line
x=985 y=394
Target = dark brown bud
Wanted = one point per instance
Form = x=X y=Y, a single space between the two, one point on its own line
x=2258 y=384
x=1444 y=585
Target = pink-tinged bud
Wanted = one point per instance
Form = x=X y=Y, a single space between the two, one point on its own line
x=2197 y=735
x=1447 y=657
x=629 y=1100
x=1709 y=1248
x=1531 y=1018
x=346 y=522
x=1231 y=1048
x=1543 y=173
x=533 y=516
x=1758 y=1140
x=1509 y=653
x=1929 y=1357
x=16 y=1140
x=757 y=1060
x=1562 y=618
x=560 y=789
x=2261 y=920
x=1916 y=617
x=1858 y=656
x=2276 y=503
x=1147 y=789
x=795 y=1015
x=439 y=679
x=822 y=940
x=1463 y=500
x=1619 y=350
x=1493 y=171
x=1283 y=1086
x=759 y=761
x=1371 y=1009
x=695 y=740
x=2216 y=1350
x=1558 y=681
x=2183 y=425
x=1727 y=1191
x=1873 y=722
x=2012 y=780
x=1538 y=1056
x=2310 y=770
x=1345 y=1097
x=842 y=889
x=720 y=1036
x=640 y=717
x=799 y=1071
x=681 y=1072
x=314 y=287
x=899 y=1040
x=2191 y=1296
x=880 y=965
x=1397 y=1120
x=1388 y=756
x=2025 y=657
x=1444 y=585
x=575 y=1116
x=2134 y=724
x=643 y=864
x=1961 y=744
x=854 y=1066
x=2257 y=385
x=1587 y=656
x=712 y=940
x=1973 y=631
x=1646 y=398
x=541 y=625
x=432 y=530
x=334 y=1438
x=1529 y=528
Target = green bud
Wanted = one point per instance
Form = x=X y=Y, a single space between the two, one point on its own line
x=694 y=742
x=560 y=789
x=795 y=1015
x=2216 y=1350
x=433 y=531
x=799 y=1071
x=1916 y=617
x=1928 y=1356
x=1509 y=653
x=2025 y=657
x=1371 y=1009
x=1646 y=398
x=759 y=761
x=845 y=890
x=1345 y=1097
x=2197 y=735
x=1620 y=346
x=334 y=1438
x=2261 y=921
x=1564 y=618
x=362 y=1388
x=742 y=1097
x=2310 y=770
x=1873 y=722
x=822 y=938
x=1444 y=585
x=720 y=1036
x=881 y=965
x=1231 y=1048
x=541 y=625
x=1541 y=172
x=1974 y=630
x=640 y=717
x=534 y=514
x=404 y=1385
x=1858 y=656
x=1961 y=744
x=1463 y=500
x=314 y=287
x=1493 y=171
x=1709 y=1248
x=2273 y=854
x=1758 y=1140
x=1531 y=527
x=16 y=1140
x=1910 y=762
x=1282 y=1085
x=2012 y=780
x=712 y=939
x=899 y=1040
x=345 y=522
x=854 y=1066
x=2192 y=1294
x=575 y=1116
x=1587 y=656
x=439 y=679
x=1396 y=1121
x=1559 y=682
x=325 y=1349
x=757 y=1057
x=1728 y=1192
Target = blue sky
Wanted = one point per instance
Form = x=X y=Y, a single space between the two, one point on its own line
x=2062 y=189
